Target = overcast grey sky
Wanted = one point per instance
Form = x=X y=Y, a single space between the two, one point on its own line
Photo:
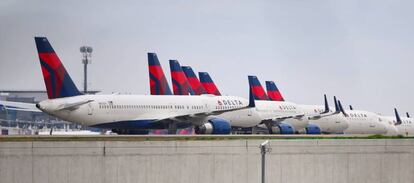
x=361 y=51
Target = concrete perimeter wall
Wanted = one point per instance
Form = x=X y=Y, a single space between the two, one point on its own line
x=238 y=161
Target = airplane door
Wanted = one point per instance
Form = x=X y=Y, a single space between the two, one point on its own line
x=172 y=108
x=90 y=108
x=206 y=106
x=249 y=112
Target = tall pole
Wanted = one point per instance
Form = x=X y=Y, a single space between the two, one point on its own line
x=86 y=53
x=264 y=148
x=263 y=151
x=85 y=74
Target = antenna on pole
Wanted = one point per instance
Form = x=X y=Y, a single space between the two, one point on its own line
x=86 y=54
x=264 y=148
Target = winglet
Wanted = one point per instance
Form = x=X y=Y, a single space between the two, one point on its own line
x=326 y=105
x=342 y=109
x=257 y=89
x=337 y=110
x=397 y=116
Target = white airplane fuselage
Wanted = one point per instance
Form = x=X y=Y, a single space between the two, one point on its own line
x=364 y=122
x=407 y=127
x=276 y=109
x=127 y=111
x=389 y=122
x=242 y=118
x=335 y=124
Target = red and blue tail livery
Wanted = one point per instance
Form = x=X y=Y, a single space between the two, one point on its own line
x=179 y=80
x=208 y=84
x=57 y=80
x=193 y=80
x=273 y=92
x=257 y=89
x=158 y=81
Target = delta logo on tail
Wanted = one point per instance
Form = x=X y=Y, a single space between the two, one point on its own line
x=273 y=92
x=58 y=82
x=208 y=84
x=257 y=89
x=180 y=82
x=158 y=81
x=193 y=80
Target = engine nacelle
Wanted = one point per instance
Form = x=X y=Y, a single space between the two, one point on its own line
x=214 y=126
x=283 y=128
x=313 y=129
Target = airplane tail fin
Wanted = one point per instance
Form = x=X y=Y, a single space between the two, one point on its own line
x=180 y=82
x=397 y=116
x=57 y=80
x=257 y=89
x=408 y=115
x=273 y=92
x=252 y=103
x=193 y=80
x=351 y=108
x=208 y=84
x=158 y=81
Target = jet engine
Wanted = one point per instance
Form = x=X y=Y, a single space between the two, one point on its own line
x=313 y=129
x=283 y=128
x=214 y=126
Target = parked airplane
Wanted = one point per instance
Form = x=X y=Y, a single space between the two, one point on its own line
x=352 y=121
x=392 y=123
x=406 y=124
x=321 y=118
x=280 y=127
x=363 y=122
x=126 y=113
x=244 y=118
x=277 y=115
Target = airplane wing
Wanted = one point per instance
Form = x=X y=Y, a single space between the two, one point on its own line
x=18 y=106
x=281 y=118
x=326 y=112
x=196 y=116
x=321 y=115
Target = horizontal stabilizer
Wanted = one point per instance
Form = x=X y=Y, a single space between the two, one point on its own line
x=73 y=106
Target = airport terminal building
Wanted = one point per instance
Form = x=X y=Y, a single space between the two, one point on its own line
x=24 y=119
